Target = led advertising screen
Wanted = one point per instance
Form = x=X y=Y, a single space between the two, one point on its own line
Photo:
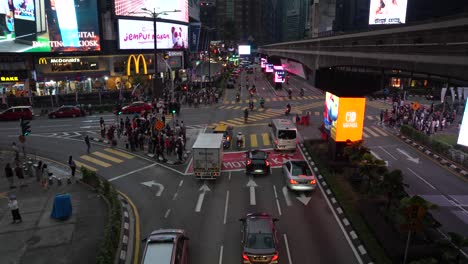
x=135 y=8
x=387 y=12
x=344 y=117
x=293 y=67
x=263 y=62
x=137 y=34
x=51 y=26
x=280 y=74
x=463 y=135
x=269 y=68
x=244 y=49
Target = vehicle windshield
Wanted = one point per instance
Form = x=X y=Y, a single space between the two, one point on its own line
x=260 y=241
x=257 y=155
x=287 y=134
x=301 y=169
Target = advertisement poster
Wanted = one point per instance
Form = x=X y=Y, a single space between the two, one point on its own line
x=344 y=117
x=134 y=8
x=263 y=63
x=280 y=74
x=387 y=12
x=293 y=67
x=137 y=34
x=463 y=134
x=269 y=68
x=51 y=26
x=244 y=49
x=194 y=36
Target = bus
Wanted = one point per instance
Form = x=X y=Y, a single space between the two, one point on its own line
x=283 y=134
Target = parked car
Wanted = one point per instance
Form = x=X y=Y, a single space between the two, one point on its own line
x=66 y=111
x=257 y=162
x=136 y=107
x=17 y=113
x=259 y=239
x=299 y=176
x=166 y=246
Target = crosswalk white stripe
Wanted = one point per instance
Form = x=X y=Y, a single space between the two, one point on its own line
x=380 y=131
x=371 y=132
x=370 y=117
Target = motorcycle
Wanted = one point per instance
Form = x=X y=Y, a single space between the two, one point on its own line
x=262 y=104
x=237 y=98
x=301 y=93
x=239 y=144
x=289 y=95
x=288 y=110
x=251 y=106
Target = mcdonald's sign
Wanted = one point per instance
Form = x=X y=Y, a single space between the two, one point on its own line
x=136 y=60
x=42 y=61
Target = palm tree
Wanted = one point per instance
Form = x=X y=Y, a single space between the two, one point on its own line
x=393 y=186
x=459 y=242
x=372 y=170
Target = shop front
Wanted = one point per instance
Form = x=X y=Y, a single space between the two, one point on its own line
x=12 y=83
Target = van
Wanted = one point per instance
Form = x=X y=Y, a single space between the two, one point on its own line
x=283 y=134
x=166 y=246
x=17 y=113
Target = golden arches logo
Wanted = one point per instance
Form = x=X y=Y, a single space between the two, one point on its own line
x=136 y=60
x=42 y=61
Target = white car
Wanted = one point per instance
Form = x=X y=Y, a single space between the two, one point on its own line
x=299 y=176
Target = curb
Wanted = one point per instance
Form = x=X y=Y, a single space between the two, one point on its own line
x=347 y=226
x=443 y=161
x=127 y=234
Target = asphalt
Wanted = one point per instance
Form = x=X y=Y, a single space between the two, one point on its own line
x=42 y=239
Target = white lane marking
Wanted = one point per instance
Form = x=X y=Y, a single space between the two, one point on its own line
x=350 y=243
x=422 y=179
x=229 y=176
x=181 y=182
x=174 y=197
x=220 y=255
x=277 y=201
x=287 y=248
x=54 y=126
x=226 y=207
x=167 y=213
x=286 y=196
x=131 y=172
x=201 y=196
x=388 y=153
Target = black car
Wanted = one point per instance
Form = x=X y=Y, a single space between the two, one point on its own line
x=259 y=239
x=257 y=162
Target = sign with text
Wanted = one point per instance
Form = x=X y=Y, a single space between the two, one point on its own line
x=387 y=12
x=344 y=117
x=52 y=26
x=137 y=34
x=135 y=8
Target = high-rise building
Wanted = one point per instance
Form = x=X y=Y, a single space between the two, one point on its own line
x=295 y=19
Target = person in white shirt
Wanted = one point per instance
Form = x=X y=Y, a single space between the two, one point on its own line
x=13 y=205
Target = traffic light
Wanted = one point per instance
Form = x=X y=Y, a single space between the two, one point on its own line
x=118 y=109
x=173 y=108
x=25 y=128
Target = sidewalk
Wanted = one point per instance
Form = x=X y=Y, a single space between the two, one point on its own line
x=41 y=239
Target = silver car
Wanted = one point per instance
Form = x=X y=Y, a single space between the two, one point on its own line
x=299 y=176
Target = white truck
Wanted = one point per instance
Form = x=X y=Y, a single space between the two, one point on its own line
x=207 y=156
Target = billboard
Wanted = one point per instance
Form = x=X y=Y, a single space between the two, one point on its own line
x=194 y=36
x=279 y=75
x=263 y=62
x=269 y=67
x=244 y=49
x=387 y=12
x=293 y=67
x=51 y=26
x=134 y=8
x=463 y=134
x=344 y=117
x=138 y=34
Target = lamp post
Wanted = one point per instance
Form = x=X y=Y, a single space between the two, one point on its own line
x=155 y=15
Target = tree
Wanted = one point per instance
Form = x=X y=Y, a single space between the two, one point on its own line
x=372 y=170
x=451 y=248
x=355 y=151
x=393 y=186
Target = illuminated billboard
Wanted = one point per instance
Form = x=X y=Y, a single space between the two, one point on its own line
x=293 y=67
x=269 y=67
x=387 y=12
x=344 y=117
x=463 y=134
x=137 y=34
x=279 y=75
x=135 y=8
x=263 y=62
x=244 y=49
x=51 y=26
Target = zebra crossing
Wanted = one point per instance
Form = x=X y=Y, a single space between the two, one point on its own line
x=102 y=159
x=273 y=99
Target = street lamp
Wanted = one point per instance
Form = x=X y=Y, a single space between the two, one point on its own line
x=155 y=15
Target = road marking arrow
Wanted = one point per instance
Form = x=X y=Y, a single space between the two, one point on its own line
x=415 y=160
x=304 y=199
x=251 y=184
x=378 y=157
x=153 y=183
x=204 y=188
x=286 y=196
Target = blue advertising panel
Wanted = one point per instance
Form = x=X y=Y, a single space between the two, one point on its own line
x=194 y=36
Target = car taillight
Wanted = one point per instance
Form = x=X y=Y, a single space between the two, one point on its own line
x=245 y=257
x=312 y=181
x=249 y=161
x=275 y=257
x=267 y=163
x=228 y=138
x=293 y=181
